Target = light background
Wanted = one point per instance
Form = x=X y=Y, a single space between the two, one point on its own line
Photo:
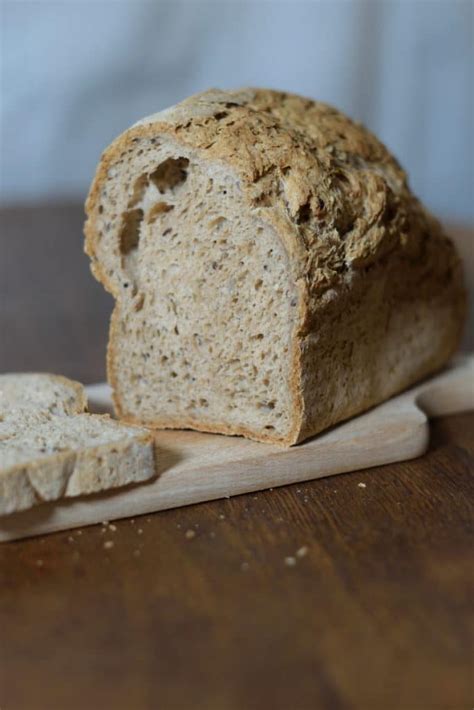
x=75 y=73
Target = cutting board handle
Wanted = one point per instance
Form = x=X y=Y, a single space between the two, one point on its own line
x=451 y=392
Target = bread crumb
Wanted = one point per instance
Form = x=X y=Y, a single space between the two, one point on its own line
x=361 y=485
x=112 y=527
x=222 y=516
x=132 y=521
x=136 y=553
x=108 y=544
x=244 y=566
x=140 y=531
x=290 y=561
x=39 y=563
x=105 y=522
x=302 y=551
x=78 y=532
x=71 y=539
x=190 y=534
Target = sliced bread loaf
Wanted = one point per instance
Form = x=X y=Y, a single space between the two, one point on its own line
x=273 y=273
x=50 y=449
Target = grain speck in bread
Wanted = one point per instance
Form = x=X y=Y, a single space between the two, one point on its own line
x=50 y=448
x=273 y=273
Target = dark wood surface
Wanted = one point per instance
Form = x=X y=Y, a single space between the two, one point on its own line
x=376 y=613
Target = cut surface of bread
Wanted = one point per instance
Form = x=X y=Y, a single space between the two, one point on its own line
x=50 y=449
x=272 y=271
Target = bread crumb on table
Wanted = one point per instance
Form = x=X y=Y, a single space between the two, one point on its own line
x=108 y=544
x=189 y=534
x=302 y=551
x=290 y=561
x=39 y=563
x=112 y=527
x=361 y=485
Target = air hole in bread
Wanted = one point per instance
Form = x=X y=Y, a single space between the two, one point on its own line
x=130 y=232
x=138 y=191
x=170 y=173
x=217 y=223
x=157 y=210
x=303 y=214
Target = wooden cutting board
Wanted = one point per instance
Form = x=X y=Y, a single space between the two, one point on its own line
x=195 y=467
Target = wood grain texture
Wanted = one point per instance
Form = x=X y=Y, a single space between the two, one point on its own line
x=53 y=311
x=376 y=615
x=193 y=467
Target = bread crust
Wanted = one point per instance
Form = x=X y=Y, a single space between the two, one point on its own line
x=341 y=205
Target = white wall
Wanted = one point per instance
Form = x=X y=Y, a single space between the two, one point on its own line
x=75 y=73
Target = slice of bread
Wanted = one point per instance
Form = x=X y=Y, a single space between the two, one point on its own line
x=273 y=272
x=29 y=397
x=50 y=448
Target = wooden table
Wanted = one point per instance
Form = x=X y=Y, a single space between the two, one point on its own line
x=345 y=593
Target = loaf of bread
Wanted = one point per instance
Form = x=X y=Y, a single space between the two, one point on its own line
x=272 y=271
x=50 y=448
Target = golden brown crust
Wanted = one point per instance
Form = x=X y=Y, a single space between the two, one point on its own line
x=337 y=199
